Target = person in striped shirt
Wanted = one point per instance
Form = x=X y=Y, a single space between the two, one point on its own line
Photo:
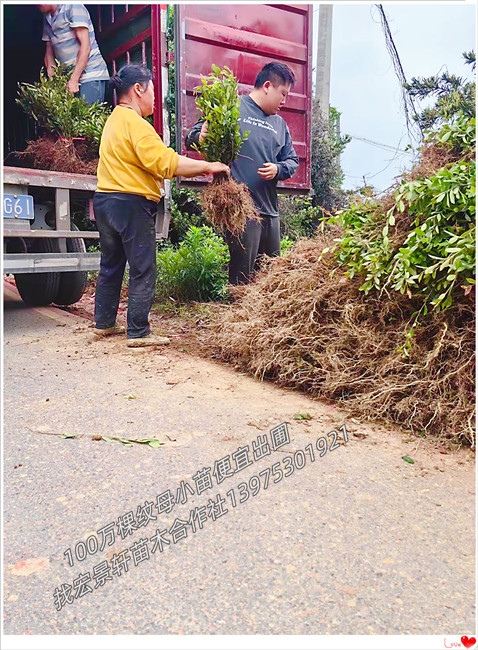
x=70 y=38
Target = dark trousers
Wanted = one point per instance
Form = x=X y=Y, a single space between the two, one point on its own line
x=126 y=223
x=259 y=238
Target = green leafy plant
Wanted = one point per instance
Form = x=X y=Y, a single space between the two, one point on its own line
x=226 y=204
x=286 y=244
x=50 y=104
x=327 y=144
x=424 y=244
x=185 y=212
x=298 y=216
x=195 y=270
x=217 y=98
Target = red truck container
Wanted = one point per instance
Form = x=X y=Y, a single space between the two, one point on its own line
x=245 y=37
x=42 y=246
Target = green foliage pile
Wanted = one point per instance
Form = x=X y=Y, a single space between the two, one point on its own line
x=421 y=240
x=60 y=113
x=217 y=98
x=195 y=270
x=377 y=311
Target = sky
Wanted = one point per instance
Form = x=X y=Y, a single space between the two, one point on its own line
x=429 y=37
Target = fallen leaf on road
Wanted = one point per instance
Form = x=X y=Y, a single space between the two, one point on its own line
x=110 y=554
x=302 y=416
x=350 y=591
x=27 y=567
x=407 y=459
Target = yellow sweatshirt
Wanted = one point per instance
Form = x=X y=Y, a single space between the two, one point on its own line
x=133 y=158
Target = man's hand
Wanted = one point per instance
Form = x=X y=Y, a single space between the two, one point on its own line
x=73 y=86
x=204 y=132
x=83 y=38
x=49 y=59
x=268 y=172
x=218 y=168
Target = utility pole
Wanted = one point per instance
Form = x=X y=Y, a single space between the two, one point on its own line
x=324 y=48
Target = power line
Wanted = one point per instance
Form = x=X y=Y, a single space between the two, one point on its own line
x=407 y=101
x=380 y=145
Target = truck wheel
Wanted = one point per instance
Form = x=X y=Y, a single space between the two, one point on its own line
x=72 y=283
x=39 y=289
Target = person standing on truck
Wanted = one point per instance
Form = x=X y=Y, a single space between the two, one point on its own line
x=266 y=157
x=133 y=163
x=70 y=38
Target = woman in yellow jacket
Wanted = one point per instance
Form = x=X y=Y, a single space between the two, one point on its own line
x=133 y=163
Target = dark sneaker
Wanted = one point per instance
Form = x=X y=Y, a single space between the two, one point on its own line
x=145 y=341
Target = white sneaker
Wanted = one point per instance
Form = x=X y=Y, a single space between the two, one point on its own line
x=109 y=331
x=149 y=339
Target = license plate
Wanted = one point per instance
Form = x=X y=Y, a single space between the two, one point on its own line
x=17 y=206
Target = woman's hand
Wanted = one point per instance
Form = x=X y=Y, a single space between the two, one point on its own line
x=190 y=167
x=218 y=168
x=203 y=133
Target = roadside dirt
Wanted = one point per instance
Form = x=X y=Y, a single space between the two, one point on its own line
x=358 y=542
x=187 y=327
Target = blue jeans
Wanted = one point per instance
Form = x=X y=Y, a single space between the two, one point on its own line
x=93 y=91
x=126 y=223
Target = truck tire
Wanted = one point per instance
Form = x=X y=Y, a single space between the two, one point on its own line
x=72 y=283
x=39 y=289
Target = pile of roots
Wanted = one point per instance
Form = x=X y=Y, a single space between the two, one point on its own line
x=227 y=205
x=61 y=155
x=311 y=329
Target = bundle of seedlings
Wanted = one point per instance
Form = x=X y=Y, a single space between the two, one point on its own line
x=71 y=129
x=227 y=204
x=378 y=313
x=307 y=328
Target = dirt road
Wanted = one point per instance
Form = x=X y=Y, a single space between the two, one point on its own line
x=356 y=541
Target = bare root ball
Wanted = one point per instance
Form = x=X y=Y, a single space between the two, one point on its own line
x=61 y=156
x=309 y=329
x=228 y=205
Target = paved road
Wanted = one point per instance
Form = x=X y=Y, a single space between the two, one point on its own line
x=356 y=542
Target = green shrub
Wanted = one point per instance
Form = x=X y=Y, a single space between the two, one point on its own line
x=218 y=100
x=185 y=212
x=195 y=270
x=50 y=104
x=423 y=245
x=298 y=216
x=285 y=245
